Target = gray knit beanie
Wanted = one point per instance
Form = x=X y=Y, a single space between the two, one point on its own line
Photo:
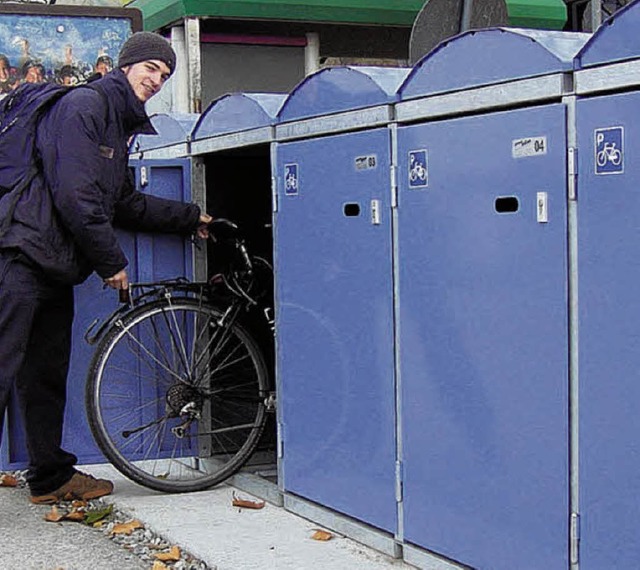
x=143 y=46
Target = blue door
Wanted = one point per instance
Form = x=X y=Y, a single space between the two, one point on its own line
x=483 y=371
x=151 y=257
x=334 y=299
x=609 y=272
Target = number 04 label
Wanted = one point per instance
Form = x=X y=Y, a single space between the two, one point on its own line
x=531 y=146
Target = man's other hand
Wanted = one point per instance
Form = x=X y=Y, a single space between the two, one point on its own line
x=118 y=281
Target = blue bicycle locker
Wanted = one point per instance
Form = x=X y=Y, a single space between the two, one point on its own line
x=334 y=293
x=162 y=168
x=482 y=296
x=231 y=147
x=608 y=177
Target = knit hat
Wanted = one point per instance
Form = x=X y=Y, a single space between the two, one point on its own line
x=143 y=46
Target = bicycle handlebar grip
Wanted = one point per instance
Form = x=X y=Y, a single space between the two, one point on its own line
x=124 y=296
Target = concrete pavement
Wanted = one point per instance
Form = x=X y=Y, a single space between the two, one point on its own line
x=205 y=524
x=229 y=538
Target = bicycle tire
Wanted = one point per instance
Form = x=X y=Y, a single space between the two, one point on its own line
x=164 y=358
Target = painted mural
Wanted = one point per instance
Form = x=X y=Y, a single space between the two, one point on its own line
x=59 y=49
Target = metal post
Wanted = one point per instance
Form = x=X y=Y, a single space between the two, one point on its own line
x=312 y=54
x=596 y=14
x=574 y=382
x=180 y=81
x=467 y=9
x=192 y=37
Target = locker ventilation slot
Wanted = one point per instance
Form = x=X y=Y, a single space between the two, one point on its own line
x=351 y=210
x=507 y=204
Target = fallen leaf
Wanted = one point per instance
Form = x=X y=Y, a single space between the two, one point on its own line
x=78 y=504
x=8 y=480
x=322 y=535
x=246 y=504
x=54 y=515
x=127 y=528
x=77 y=516
x=157 y=565
x=97 y=515
x=172 y=556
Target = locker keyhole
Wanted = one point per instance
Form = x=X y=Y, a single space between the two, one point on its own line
x=351 y=210
x=507 y=204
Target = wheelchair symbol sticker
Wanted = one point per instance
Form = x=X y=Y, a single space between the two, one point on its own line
x=609 y=150
x=290 y=179
x=418 y=170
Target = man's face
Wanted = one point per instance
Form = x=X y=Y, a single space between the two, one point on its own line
x=147 y=77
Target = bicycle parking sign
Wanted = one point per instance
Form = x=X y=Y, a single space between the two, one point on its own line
x=418 y=169
x=609 y=150
x=290 y=179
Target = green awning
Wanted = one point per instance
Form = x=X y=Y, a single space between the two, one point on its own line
x=540 y=14
x=544 y=14
x=160 y=13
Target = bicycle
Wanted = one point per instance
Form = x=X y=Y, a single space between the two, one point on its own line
x=178 y=392
x=609 y=154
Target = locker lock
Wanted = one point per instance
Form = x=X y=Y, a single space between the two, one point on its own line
x=144 y=176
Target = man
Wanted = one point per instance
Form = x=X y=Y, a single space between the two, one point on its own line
x=61 y=231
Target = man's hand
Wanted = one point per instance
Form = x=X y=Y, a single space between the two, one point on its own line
x=118 y=281
x=203 y=229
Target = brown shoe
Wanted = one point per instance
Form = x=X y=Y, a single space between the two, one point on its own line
x=80 y=486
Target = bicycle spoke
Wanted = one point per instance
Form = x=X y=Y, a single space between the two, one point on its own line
x=161 y=347
x=206 y=349
x=177 y=340
x=152 y=356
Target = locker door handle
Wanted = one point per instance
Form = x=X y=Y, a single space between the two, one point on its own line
x=352 y=210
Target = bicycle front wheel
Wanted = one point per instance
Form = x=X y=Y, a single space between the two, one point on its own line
x=176 y=398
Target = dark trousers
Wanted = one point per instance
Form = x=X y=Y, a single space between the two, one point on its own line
x=35 y=346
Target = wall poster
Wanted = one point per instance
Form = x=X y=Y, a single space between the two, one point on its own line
x=60 y=44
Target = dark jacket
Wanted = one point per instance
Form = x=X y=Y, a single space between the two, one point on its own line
x=64 y=221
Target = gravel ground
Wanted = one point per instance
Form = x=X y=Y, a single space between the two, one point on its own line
x=29 y=542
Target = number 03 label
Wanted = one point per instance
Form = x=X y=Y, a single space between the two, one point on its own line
x=531 y=146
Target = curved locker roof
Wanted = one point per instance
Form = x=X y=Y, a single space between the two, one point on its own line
x=336 y=89
x=490 y=56
x=170 y=129
x=238 y=112
x=617 y=39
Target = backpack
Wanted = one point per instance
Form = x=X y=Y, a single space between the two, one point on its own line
x=20 y=112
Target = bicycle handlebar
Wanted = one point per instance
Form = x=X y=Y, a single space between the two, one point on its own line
x=221 y=228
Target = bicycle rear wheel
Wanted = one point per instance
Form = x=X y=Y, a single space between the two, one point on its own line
x=175 y=400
